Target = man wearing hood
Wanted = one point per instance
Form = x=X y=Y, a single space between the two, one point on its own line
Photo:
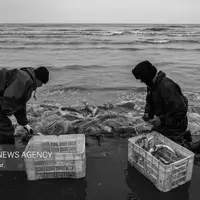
x=165 y=103
x=16 y=87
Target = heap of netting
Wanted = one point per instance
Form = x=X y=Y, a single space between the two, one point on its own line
x=109 y=120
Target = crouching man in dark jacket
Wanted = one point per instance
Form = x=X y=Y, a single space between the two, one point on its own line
x=16 y=87
x=165 y=103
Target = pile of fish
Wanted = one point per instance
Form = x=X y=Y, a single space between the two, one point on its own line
x=162 y=152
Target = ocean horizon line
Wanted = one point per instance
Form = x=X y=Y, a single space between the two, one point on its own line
x=107 y=23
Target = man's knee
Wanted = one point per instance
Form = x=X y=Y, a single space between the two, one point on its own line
x=7 y=139
x=6 y=131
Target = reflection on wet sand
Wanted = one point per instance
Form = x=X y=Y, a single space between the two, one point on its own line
x=14 y=185
x=143 y=189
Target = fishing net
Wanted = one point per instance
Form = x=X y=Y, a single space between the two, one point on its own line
x=108 y=120
x=194 y=123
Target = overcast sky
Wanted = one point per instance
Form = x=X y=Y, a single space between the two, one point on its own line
x=100 y=11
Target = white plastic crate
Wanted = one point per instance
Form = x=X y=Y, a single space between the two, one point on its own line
x=164 y=177
x=48 y=157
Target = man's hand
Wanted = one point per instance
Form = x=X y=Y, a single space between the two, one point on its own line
x=156 y=121
x=145 y=117
x=28 y=128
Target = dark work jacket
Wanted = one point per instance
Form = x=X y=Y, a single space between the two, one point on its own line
x=16 y=87
x=166 y=100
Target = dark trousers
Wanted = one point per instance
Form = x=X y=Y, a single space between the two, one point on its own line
x=6 y=130
x=177 y=132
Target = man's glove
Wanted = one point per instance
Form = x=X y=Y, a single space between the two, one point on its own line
x=28 y=128
x=156 y=121
x=145 y=117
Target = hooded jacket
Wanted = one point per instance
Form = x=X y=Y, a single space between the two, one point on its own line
x=166 y=100
x=16 y=87
x=145 y=71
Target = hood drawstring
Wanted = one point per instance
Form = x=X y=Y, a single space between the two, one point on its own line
x=34 y=95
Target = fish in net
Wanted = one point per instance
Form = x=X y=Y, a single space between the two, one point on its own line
x=120 y=120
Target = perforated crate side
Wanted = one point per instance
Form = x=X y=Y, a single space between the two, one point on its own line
x=162 y=175
x=61 y=164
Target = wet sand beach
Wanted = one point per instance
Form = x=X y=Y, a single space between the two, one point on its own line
x=108 y=176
